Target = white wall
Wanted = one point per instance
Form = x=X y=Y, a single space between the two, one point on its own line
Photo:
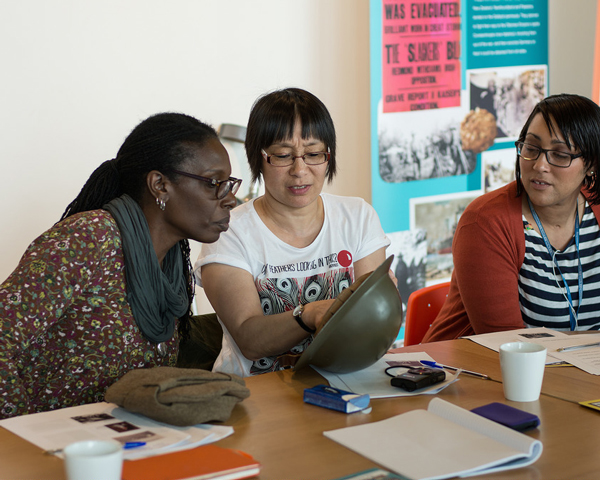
x=78 y=75
x=572 y=26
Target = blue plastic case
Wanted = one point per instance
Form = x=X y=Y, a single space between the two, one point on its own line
x=336 y=399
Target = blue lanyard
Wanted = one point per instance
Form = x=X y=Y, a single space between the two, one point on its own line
x=572 y=315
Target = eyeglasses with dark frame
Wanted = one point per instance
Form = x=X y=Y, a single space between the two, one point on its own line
x=287 y=159
x=223 y=186
x=553 y=157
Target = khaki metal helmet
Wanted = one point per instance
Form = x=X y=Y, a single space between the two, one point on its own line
x=360 y=326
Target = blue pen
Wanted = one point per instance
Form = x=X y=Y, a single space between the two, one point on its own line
x=429 y=363
x=129 y=445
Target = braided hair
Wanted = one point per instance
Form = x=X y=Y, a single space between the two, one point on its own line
x=157 y=143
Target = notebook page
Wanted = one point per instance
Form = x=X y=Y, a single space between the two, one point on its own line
x=485 y=426
x=422 y=445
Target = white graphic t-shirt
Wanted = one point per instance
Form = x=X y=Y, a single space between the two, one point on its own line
x=287 y=276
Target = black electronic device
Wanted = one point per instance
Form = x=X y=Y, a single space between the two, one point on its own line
x=417 y=378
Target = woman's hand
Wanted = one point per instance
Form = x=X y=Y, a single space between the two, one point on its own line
x=313 y=312
x=393 y=277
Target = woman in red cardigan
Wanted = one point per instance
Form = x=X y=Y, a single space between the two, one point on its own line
x=528 y=254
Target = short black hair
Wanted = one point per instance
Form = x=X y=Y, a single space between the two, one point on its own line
x=273 y=118
x=577 y=118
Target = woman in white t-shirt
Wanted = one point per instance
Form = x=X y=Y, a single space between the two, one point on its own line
x=288 y=253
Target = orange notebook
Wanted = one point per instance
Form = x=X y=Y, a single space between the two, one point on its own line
x=207 y=461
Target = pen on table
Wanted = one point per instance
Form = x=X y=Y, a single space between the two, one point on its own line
x=129 y=445
x=575 y=347
x=467 y=372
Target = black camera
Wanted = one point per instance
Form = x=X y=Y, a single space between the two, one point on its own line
x=417 y=378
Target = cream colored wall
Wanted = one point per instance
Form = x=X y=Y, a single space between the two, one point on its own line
x=572 y=26
x=78 y=75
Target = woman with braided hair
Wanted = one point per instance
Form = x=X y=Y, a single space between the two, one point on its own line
x=109 y=287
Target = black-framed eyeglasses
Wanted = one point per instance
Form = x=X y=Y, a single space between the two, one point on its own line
x=223 y=187
x=553 y=157
x=287 y=159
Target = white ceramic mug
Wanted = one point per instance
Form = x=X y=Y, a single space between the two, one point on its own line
x=522 y=365
x=94 y=459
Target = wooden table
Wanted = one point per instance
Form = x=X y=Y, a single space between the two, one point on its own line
x=285 y=434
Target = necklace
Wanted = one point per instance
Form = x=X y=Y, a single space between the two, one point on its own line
x=572 y=313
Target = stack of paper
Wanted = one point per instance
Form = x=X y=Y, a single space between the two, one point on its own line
x=54 y=430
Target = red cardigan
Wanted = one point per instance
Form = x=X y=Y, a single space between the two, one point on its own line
x=488 y=250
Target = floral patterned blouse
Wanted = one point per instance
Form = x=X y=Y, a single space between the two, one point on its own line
x=67 y=331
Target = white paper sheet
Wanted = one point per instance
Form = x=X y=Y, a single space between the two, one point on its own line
x=441 y=442
x=55 y=429
x=374 y=381
x=587 y=359
x=540 y=335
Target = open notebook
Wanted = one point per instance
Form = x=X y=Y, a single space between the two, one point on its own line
x=443 y=441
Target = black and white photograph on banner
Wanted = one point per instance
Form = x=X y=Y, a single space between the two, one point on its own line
x=422 y=144
x=438 y=215
x=409 y=248
x=498 y=168
x=509 y=94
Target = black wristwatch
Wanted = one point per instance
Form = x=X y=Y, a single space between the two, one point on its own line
x=297 y=313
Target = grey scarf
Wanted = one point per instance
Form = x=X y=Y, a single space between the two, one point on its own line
x=157 y=297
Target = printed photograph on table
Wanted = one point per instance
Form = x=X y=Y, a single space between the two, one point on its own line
x=438 y=215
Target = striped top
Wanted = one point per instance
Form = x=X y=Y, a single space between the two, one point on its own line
x=542 y=294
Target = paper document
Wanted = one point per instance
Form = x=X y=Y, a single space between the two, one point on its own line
x=532 y=335
x=587 y=359
x=443 y=441
x=376 y=383
x=55 y=429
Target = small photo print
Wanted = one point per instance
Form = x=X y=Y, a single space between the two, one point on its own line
x=536 y=335
x=122 y=427
x=145 y=436
x=509 y=94
x=409 y=248
x=97 y=417
x=498 y=168
x=422 y=145
x=438 y=215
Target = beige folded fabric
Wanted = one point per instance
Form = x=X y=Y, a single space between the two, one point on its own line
x=178 y=396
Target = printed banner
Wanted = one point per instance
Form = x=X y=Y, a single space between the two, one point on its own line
x=421 y=55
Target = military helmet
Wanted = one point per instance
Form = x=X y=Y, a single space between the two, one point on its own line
x=360 y=326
